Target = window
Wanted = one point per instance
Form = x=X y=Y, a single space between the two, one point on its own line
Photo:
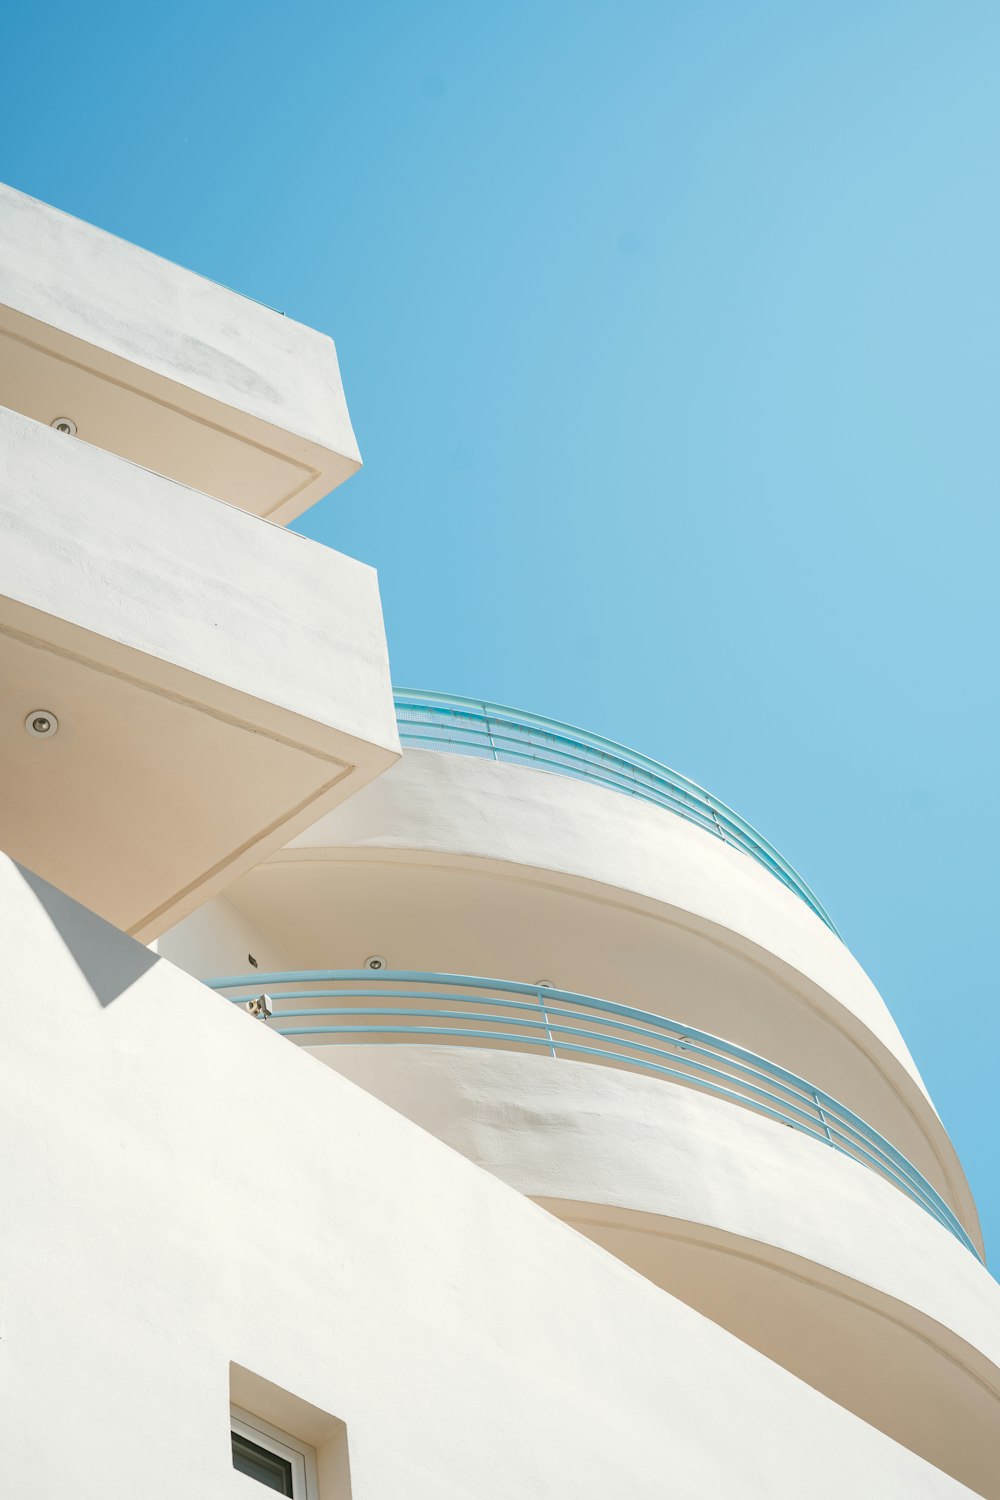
x=283 y=1444
x=275 y=1459
x=250 y=1458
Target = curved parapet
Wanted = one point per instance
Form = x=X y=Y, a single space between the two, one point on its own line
x=326 y=1007
x=452 y=863
x=819 y=1264
x=490 y=731
x=460 y=808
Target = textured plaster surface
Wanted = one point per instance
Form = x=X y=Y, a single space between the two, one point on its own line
x=219 y=939
x=580 y=1132
x=798 y=1249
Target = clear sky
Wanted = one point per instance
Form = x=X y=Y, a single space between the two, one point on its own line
x=671 y=336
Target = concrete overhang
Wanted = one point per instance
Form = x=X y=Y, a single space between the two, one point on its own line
x=165 y=368
x=219 y=683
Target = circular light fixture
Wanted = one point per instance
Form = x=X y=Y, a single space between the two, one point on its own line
x=64 y=424
x=41 y=724
x=375 y=962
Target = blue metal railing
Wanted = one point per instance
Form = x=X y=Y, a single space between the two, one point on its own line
x=463 y=726
x=412 y=1007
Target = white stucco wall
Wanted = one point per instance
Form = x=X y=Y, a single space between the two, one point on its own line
x=219 y=939
x=183 y=1189
x=645 y=1166
x=578 y=1131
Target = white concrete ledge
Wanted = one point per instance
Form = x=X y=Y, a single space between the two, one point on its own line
x=176 y=1179
x=219 y=682
x=166 y=368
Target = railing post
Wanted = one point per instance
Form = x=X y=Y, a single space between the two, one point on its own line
x=545 y=1018
x=822 y=1117
x=489 y=731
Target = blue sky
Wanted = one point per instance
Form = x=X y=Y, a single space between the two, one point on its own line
x=670 y=334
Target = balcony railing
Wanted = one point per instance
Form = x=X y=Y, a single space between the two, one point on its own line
x=345 y=1006
x=463 y=726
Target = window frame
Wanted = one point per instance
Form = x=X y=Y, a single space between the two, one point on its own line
x=283 y=1445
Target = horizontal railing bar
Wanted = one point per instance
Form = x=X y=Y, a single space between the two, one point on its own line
x=449 y=730
x=603 y=775
x=606 y=776
x=688 y=1035
x=479 y=709
x=660 y=774
x=806 y=1108
x=490 y=713
x=803 y=1091
x=551 y=993
x=612 y=772
x=527 y=1020
x=590 y=1002
x=515 y=987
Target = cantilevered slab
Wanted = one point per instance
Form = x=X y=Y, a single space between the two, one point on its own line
x=165 y=368
x=219 y=682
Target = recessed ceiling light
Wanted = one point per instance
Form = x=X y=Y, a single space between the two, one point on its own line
x=64 y=424
x=41 y=724
x=375 y=962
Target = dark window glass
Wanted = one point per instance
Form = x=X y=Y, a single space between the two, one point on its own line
x=250 y=1458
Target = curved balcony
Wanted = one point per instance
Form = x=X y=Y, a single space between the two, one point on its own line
x=458 y=864
x=464 y=726
x=412 y=1007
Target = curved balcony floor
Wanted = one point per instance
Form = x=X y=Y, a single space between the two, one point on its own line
x=796 y=1250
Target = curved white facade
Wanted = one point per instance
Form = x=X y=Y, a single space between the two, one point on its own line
x=186 y=1192
x=459 y=865
x=599 y=1168
x=453 y=864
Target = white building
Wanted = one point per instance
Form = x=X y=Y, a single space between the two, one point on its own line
x=655 y=1205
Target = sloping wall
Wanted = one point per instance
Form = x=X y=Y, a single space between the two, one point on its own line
x=183 y=1189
